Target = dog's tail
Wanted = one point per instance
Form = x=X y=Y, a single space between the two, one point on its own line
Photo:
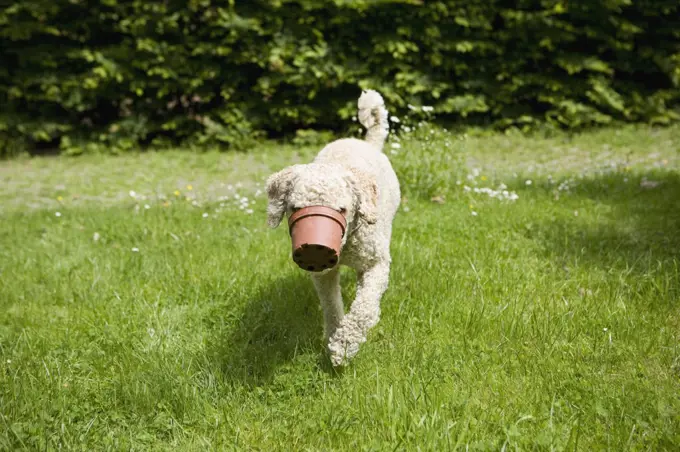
x=373 y=116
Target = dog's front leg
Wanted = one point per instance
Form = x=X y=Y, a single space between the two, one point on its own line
x=327 y=287
x=363 y=315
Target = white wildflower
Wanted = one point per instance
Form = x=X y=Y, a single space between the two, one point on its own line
x=96 y=236
x=394 y=119
x=474 y=214
x=57 y=214
x=496 y=194
x=135 y=249
x=395 y=146
x=528 y=182
x=564 y=186
x=147 y=207
x=249 y=211
x=205 y=214
x=427 y=108
x=133 y=194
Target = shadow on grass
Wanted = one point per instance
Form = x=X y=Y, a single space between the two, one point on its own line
x=629 y=222
x=279 y=322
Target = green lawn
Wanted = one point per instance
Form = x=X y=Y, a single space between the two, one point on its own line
x=140 y=313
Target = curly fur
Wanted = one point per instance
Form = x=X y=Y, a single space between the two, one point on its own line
x=356 y=178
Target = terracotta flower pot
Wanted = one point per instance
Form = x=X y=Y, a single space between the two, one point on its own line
x=316 y=234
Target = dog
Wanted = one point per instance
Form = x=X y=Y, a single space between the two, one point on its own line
x=355 y=178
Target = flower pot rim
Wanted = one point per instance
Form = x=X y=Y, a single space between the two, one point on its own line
x=322 y=211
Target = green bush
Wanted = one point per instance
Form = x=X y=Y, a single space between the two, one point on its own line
x=115 y=75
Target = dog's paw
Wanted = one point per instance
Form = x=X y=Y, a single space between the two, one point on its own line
x=344 y=343
x=341 y=352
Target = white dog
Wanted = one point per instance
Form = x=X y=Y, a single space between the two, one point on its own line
x=355 y=178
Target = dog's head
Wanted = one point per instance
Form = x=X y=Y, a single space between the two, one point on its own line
x=350 y=192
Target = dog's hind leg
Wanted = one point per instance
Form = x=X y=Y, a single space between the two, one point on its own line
x=327 y=287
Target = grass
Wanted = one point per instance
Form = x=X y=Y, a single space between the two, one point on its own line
x=162 y=321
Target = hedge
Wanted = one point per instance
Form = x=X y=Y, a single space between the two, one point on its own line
x=116 y=75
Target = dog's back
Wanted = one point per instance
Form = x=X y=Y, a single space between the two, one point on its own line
x=367 y=154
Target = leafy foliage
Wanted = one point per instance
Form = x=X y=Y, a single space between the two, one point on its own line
x=113 y=75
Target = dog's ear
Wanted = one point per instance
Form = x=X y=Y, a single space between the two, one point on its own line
x=278 y=187
x=366 y=193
